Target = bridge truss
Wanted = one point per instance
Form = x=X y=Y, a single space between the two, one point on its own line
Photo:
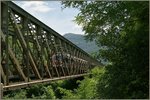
x=32 y=52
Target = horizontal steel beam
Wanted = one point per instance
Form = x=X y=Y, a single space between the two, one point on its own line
x=25 y=84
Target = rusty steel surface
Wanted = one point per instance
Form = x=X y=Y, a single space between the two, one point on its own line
x=34 y=53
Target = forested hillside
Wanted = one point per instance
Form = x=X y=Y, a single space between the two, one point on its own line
x=80 y=41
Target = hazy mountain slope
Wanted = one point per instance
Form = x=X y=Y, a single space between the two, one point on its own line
x=80 y=41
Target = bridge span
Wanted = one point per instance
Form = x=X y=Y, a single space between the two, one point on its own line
x=32 y=52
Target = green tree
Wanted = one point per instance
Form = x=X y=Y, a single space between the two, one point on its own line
x=35 y=91
x=48 y=93
x=18 y=94
x=66 y=94
x=87 y=87
x=121 y=28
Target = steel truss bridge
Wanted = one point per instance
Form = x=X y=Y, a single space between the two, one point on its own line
x=32 y=52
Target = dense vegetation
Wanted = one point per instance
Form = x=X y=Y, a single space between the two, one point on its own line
x=122 y=29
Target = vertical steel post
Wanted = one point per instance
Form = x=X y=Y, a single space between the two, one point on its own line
x=61 y=54
x=48 y=63
x=26 y=35
x=66 y=53
x=63 y=45
x=1 y=90
x=70 y=54
x=55 y=51
x=40 y=50
x=0 y=45
x=79 y=62
x=5 y=30
x=73 y=60
x=70 y=51
x=0 y=56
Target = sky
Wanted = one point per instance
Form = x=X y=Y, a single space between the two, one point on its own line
x=51 y=14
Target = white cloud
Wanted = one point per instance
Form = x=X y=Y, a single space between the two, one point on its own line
x=61 y=21
x=36 y=6
x=64 y=26
x=76 y=26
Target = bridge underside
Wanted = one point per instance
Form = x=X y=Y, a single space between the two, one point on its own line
x=32 y=52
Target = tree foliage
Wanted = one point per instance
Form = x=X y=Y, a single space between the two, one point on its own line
x=16 y=95
x=87 y=87
x=122 y=29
